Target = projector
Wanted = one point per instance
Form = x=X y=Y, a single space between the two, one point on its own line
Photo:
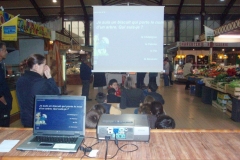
x=125 y=127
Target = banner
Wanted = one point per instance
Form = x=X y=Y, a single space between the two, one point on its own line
x=209 y=34
x=9 y=29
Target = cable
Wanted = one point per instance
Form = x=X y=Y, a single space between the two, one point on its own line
x=120 y=148
x=106 y=139
x=87 y=148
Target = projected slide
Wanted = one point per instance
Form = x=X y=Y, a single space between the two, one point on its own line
x=128 y=38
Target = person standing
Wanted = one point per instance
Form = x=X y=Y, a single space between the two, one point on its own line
x=5 y=94
x=171 y=70
x=187 y=69
x=166 y=74
x=35 y=81
x=85 y=75
x=140 y=79
x=99 y=80
x=152 y=77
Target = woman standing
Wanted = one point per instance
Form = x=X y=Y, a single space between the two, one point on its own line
x=36 y=81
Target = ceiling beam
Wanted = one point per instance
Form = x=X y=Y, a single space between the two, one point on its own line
x=86 y=23
x=103 y=3
x=40 y=13
x=62 y=13
x=155 y=2
x=177 y=22
x=226 y=11
x=161 y=2
x=112 y=2
x=202 y=13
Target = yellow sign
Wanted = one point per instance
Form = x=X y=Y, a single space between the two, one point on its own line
x=9 y=30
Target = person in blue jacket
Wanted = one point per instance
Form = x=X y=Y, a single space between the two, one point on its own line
x=85 y=75
x=5 y=94
x=36 y=81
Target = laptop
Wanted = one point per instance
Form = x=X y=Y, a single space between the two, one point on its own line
x=59 y=124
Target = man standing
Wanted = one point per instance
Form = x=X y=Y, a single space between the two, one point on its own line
x=166 y=74
x=5 y=94
x=85 y=75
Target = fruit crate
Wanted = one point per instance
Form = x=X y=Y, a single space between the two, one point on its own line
x=233 y=91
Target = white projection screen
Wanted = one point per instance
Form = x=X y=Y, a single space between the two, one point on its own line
x=128 y=38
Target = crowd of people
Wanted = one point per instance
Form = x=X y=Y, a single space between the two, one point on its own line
x=145 y=101
x=37 y=80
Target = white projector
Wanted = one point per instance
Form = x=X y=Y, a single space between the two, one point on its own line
x=128 y=127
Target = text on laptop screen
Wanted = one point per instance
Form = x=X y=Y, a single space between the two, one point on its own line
x=59 y=114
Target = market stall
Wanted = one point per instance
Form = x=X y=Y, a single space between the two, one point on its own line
x=22 y=38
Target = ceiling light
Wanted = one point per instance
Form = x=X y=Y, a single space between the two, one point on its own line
x=229 y=36
x=54 y=1
x=222 y=0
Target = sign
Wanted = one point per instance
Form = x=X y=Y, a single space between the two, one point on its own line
x=9 y=30
x=209 y=34
x=33 y=28
x=25 y=26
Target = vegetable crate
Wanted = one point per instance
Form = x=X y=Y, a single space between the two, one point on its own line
x=219 y=107
x=222 y=86
x=233 y=91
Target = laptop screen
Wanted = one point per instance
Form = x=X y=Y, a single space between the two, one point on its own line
x=59 y=113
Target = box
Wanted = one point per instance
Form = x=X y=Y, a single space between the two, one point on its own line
x=223 y=96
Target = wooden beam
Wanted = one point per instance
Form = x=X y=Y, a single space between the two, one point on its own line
x=40 y=13
x=226 y=11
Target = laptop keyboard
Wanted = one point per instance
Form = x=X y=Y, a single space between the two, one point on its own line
x=54 y=139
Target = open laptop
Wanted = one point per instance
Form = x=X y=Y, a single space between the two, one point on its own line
x=59 y=124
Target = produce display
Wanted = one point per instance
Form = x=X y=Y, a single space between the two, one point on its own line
x=73 y=70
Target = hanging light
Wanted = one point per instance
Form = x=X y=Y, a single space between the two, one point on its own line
x=225 y=56
x=181 y=56
x=201 y=55
x=239 y=56
x=220 y=56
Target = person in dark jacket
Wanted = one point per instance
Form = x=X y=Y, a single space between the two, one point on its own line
x=152 y=88
x=5 y=94
x=140 y=79
x=85 y=75
x=131 y=96
x=152 y=77
x=36 y=81
x=111 y=97
x=99 y=80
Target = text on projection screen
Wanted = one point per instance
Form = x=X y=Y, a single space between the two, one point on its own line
x=128 y=38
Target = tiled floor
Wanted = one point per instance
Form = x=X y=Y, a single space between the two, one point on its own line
x=187 y=110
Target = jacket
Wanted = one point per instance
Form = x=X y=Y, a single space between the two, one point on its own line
x=157 y=97
x=28 y=86
x=131 y=98
x=4 y=91
x=85 y=72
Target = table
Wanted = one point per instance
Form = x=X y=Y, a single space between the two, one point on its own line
x=163 y=144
